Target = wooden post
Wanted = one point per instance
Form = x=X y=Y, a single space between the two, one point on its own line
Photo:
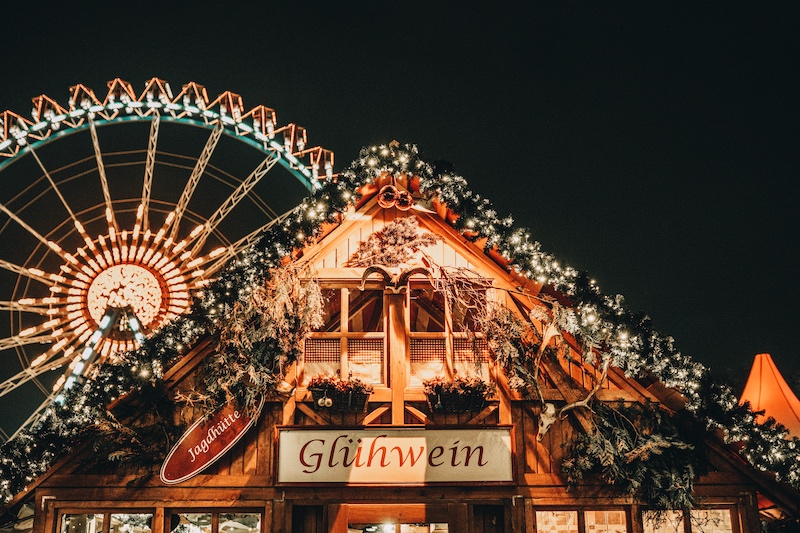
x=395 y=306
x=458 y=518
x=158 y=520
x=337 y=518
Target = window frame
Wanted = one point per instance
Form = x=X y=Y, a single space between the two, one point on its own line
x=344 y=335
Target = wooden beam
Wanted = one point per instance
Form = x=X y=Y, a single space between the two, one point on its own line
x=374 y=414
x=563 y=383
x=306 y=410
x=394 y=305
x=419 y=415
x=480 y=417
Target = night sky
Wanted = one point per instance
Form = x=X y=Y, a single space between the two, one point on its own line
x=654 y=147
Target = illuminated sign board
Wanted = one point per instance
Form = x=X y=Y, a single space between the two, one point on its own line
x=398 y=456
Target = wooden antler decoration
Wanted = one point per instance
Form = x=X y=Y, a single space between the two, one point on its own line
x=396 y=279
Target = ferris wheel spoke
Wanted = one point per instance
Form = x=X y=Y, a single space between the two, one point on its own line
x=148 y=169
x=22 y=377
x=37 y=414
x=227 y=206
x=50 y=244
x=242 y=244
x=194 y=178
x=6 y=305
x=98 y=155
x=32 y=273
x=54 y=186
x=16 y=340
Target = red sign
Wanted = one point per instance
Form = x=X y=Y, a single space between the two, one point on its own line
x=205 y=442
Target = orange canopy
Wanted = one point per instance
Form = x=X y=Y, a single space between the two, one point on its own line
x=767 y=390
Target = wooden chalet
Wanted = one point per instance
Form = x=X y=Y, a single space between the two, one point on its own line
x=401 y=463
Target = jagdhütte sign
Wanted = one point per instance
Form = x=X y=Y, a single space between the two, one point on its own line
x=205 y=442
x=394 y=455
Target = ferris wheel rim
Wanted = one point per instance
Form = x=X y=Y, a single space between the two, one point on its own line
x=286 y=160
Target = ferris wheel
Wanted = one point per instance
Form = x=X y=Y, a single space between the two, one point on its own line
x=114 y=210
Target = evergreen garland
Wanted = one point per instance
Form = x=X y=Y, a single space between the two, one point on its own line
x=629 y=338
x=639 y=449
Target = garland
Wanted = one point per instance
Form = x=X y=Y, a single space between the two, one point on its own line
x=640 y=450
x=629 y=339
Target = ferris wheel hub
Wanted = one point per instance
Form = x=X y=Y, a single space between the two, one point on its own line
x=126 y=285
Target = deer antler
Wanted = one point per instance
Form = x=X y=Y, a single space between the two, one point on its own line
x=406 y=274
x=549 y=414
x=395 y=279
x=585 y=401
x=549 y=331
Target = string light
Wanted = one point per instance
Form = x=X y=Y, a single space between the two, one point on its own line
x=636 y=348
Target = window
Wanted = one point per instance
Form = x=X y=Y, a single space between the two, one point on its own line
x=711 y=520
x=591 y=521
x=664 y=522
x=444 y=338
x=190 y=523
x=351 y=343
x=556 y=521
x=215 y=522
x=82 y=523
x=131 y=523
x=116 y=523
x=704 y=520
x=611 y=521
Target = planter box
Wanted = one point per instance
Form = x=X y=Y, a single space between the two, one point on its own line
x=455 y=403
x=341 y=401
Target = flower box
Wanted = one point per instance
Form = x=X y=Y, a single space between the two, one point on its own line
x=331 y=393
x=339 y=401
x=461 y=395
x=455 y=403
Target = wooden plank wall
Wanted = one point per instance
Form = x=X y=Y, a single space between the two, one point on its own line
x=442 y=253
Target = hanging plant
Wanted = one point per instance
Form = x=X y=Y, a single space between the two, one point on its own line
x=260 y=337
x=395 y=244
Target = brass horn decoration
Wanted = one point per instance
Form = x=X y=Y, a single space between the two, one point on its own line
x=391 y=196
x=404 y=201
x=387 y=196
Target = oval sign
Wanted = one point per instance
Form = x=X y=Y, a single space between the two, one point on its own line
x=205 y=442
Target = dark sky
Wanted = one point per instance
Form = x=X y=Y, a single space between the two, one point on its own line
x=655 y=147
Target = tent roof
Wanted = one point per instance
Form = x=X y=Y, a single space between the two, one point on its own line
x=767 y=390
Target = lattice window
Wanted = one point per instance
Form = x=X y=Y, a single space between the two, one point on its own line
x=471 y=357
x=365 y=359
x=427 y=358
x=322 y=356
